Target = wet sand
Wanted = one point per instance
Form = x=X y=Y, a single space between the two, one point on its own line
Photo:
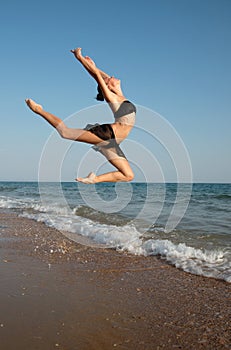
x=57 y=294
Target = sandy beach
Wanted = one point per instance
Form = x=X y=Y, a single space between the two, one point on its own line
x=57 y=294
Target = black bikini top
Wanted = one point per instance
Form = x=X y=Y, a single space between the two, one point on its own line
x=125 y=108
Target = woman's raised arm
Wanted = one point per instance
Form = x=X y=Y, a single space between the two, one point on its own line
x=85 y=60
x=95 y=72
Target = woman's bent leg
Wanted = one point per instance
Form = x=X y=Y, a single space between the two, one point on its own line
x=124 y=173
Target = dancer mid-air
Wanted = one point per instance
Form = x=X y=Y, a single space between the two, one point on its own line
x=105 y=137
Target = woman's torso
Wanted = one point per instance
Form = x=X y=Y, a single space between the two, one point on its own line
x=124 y=113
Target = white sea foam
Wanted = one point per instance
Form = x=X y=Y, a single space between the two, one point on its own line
x=30 y=204
x=210 y=263
x=127 y=238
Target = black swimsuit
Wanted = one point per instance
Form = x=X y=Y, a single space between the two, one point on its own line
x=105 y=132
x=125 y=108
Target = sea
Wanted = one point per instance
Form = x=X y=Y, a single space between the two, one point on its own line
x=187 y=225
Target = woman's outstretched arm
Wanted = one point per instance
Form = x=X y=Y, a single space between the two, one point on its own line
x=85 y=60
x=96 y=73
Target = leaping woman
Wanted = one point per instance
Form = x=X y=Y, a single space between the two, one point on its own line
x=106 y=138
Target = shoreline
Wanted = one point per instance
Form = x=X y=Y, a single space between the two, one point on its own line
x=56 y=293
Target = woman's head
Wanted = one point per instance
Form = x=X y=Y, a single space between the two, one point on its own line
x=113 y=85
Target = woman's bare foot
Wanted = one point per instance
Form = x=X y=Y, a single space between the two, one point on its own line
x=90 y=179
x=35 y=107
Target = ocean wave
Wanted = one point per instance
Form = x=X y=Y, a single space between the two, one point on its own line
x=32 y=205
x=115 y=231
x=99 y=216
x=222 y=196
x=214 y=263
x=209 y=263
x=5 y=188
x=205 y=197
x=11 y=203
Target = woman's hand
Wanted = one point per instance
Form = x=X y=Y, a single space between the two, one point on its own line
x=77 y=52
x=86 y=61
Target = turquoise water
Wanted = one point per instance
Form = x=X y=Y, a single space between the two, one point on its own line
x=190 y=229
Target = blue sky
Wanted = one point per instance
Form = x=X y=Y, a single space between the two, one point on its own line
x=173 y=57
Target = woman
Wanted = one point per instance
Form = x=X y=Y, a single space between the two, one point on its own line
x=106 y=137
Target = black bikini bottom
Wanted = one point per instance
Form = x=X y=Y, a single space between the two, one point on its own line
x=108 y=147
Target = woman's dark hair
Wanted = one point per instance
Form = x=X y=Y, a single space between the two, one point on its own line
x=99 y=96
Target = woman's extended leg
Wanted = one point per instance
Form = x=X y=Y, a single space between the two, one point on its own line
x=65 y=132
x=124 y=173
